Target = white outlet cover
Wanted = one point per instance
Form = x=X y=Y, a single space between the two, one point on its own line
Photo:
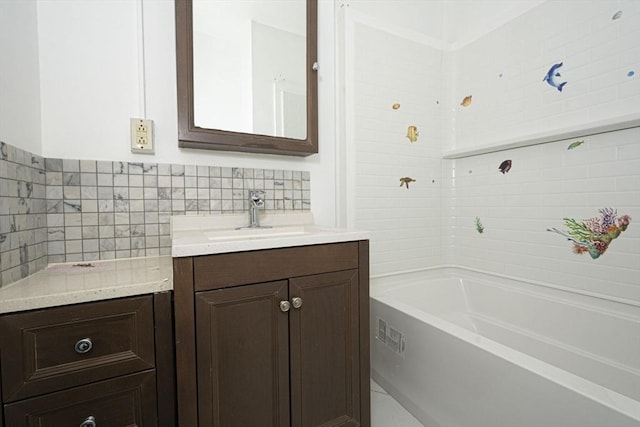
x=142 y=136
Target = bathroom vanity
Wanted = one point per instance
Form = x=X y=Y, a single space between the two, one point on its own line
x=89 y=344
x=265 y=326
x=272 y=329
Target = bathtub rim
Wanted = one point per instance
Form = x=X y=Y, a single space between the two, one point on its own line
x=598 y=393
x=449 y=270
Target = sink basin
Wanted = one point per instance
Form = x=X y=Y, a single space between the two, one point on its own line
x=255 y=233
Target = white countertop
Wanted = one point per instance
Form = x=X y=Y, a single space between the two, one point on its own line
x=214 y=234
x=71 y=283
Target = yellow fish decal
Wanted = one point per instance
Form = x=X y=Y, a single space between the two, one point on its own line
x=466 y=101
x=412 y=133
x=405 y=180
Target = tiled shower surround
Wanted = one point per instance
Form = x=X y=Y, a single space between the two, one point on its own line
x=64 y=210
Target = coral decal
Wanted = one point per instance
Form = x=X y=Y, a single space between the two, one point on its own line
x=575 y=145
x=405 y=181
x=412 y=133
x=395 y=106
x=505 y=166
x=466 y=101
x=594 y=235
x=479 y=226
x=551 y=77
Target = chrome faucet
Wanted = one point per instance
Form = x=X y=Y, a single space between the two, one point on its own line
x=256 y=201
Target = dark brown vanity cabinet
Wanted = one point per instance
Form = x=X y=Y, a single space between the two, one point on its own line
x=92 y=364
x=278 y=337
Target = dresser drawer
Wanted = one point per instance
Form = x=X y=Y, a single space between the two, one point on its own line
x=124 y=401
x=58 y=348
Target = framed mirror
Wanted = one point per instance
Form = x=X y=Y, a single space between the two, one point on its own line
x=247 y=77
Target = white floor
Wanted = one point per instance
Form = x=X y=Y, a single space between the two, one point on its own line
x=386 y=412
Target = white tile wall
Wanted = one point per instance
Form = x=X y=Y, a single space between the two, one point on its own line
x=504 y=71
x=405 y=223
x=546 y=184
x=432 y=223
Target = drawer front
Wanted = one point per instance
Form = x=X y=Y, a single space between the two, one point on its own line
x=242 y=268
x=57 y=348
x=124 y=401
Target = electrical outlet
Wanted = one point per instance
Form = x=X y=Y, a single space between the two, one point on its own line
x=142 y=136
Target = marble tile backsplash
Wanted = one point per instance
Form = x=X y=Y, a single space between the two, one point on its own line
x=23 y=214
x=64 y=210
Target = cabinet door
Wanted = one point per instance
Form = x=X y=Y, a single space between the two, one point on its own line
x=325 y=350
x=242 y=356
x=123 y=401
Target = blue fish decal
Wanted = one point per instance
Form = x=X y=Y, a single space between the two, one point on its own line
x=551 y=77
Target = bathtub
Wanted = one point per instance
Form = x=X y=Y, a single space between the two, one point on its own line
x=465 y=349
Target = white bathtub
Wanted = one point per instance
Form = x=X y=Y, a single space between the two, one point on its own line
x=465 y=349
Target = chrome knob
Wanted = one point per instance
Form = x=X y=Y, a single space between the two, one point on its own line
x=84 y=346
x=89 y=422
x=296 y=302
x=285 y=306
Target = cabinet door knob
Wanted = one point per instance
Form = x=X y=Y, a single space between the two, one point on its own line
x=89 y=422
x=285 y=306
x=84 y=346
x=296 y=302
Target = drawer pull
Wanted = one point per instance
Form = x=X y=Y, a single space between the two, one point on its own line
x=89 y=422
x=84 y=346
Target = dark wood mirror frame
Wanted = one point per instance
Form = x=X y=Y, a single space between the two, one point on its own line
x=191 y=136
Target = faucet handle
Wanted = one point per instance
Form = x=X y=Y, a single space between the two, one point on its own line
x=256 y=193
x=255 y=196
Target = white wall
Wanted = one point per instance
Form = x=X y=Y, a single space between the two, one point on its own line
x=19 y=76
x=546 y=184
x=92 y=84
x=504 y=72
x=222 y=89
x=277 y=56
x=464 y=21
x=387 y=65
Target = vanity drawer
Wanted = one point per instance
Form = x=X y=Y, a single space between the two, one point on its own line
x=57 y=348
x=124 y=401
x=242 y=268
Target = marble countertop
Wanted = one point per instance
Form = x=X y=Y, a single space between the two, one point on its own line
x=205 y=235
x=71 y=283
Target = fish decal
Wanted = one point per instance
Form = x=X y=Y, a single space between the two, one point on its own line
x=631 y=73
x=405 y=180
x=575 y=145
x=479 y=226
x=395 y=106
x=412 y=133
x=466 y=101
x=616 y=15
x=551 y=77
x=594 y=235
x=505 y=166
